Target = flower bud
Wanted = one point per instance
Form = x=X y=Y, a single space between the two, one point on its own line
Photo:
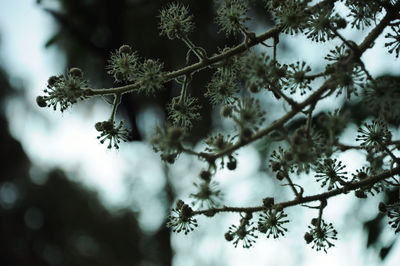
x=209 y=213
x=246 y=133
x=170 y=159
x=219 y=142
x=329 y=69
x=52 y=81
x=308 y=238
x=99 y=126
x=341 y=23
x=205 y=175
x=268 y=202
x=279 y=208
x=175 y=133
x=382 y=207
x=125 y=49
x=76 y=72
x=254 y=88
x=314 y=221
x=118 y=76
x=226 y=111
x=275 y=166
x=275 y=3
x=232 y=164
x=288 y=156
x=179 y=204
x=280 y=72
x=280 y=176
x=362 y=175
x=107 y=125
x=41 y=101
x=187 y=212
x=360 y=194
x=228 y=236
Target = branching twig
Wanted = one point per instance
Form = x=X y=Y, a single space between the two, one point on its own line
x=322 y=196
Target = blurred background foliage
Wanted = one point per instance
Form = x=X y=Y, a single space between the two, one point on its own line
x=51 y=220
x=57 y=222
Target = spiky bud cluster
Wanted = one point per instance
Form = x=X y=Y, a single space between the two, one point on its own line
x=231 y=16
x=181 y=218
x=112 y=133
x=175 y=21
x=64 y=90
x=168 y=142
x=123 y=64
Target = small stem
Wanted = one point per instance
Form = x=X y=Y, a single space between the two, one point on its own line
x=298 y=201
x=185 y=84
x=345 y=147
x=191 y=152
x=394 y=158
x=191 y=68
x=349 y=44
x=289 y=100
x=276 y=41
x=194 y=48
x=309 y=118
x=383 y=4
x=321 y=210
x=292 y=186
x=117 y=101
x=314 y=76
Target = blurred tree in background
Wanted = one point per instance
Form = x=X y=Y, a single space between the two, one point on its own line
x=58 y=222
